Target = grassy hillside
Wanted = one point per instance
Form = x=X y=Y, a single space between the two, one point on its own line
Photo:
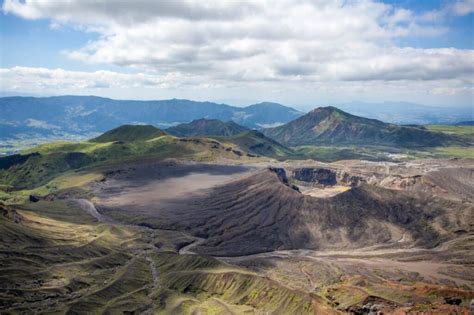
x=130 y=133
x=64 y=260
x=51 y=160
x=379 y=153
x=257 y=143
x=459 y=130
x=207 y=127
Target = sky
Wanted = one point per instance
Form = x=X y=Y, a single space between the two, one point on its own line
x=296 y=52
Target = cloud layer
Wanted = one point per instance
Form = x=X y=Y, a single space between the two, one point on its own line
x=236 y=44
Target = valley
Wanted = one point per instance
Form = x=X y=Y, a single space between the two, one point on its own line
x=257 y=157
x=227 y=220
x=145 y=238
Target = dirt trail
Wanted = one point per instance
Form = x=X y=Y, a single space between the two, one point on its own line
x=155 y=284
x=310 y=278
x=154 y=272
x=186 y=250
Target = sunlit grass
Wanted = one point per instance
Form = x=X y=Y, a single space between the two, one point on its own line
x=453 y=130
x=455 y=151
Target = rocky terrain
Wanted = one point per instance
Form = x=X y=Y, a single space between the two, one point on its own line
x=277 y=215
x=138 y=221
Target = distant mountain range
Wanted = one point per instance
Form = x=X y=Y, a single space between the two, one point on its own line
x=332 y=126
x=321 y=126
x=86 y=115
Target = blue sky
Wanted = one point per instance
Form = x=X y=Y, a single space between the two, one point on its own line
x=298 y=53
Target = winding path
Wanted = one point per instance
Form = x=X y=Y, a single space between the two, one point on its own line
x=186 y=250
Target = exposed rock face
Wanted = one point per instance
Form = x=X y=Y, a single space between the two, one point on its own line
x=348 y=179
x=326 y=177
x=34 y=198
x=453 y=300
x=281 y=173
x=453 y=183
x=320 y=176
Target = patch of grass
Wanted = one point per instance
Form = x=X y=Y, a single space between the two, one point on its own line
x=452 y=130
x=130 y=133
x=60 y=210
x=73 y=183
x=422 y=308
x=391 y=294
x=335 y=153
x=454 y=151
x=241 y=288
x=380 y=153
x=62 y=254
x=347 y=296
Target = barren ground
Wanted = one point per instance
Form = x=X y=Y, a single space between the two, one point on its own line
x=154 y=221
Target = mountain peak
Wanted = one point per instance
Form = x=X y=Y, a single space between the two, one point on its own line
x=206 y=127
x=130 y=133
x=326 y=109
x=330 y=125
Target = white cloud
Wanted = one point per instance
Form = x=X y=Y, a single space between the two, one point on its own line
x=43 y=78
x=280 y=45
x=463 y=7
x=59 y=81
x=276 y=124
x=40 y=124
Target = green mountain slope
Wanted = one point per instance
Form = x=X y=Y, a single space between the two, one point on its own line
x=329 y=126
x=255 y=142
x=130 y=133
x=38 y=165
x=207 y=127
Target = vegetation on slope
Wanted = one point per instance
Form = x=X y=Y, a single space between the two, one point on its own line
x=207 y=127
x=460 y=130
x=64 y=260
x=257 y=143
x=50 y=160
x=130 y=133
